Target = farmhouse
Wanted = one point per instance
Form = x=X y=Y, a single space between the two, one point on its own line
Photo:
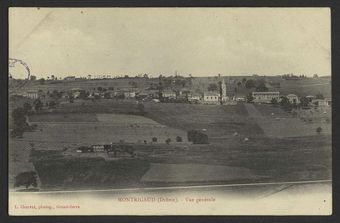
x=322 y=102
x=240 y=98
x=265 y=97
x=294 y=99
x=70 y=78
x=194 y=97
x=129 y=94
x=169 y=94
x=211 y=98
x=31 y=94
x=76 y=92
x=310 y=98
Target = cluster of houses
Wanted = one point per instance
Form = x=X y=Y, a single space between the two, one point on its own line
x=212 y=97
x=268 y=97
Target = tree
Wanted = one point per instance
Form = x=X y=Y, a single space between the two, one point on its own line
x=133 y=84
x=250 y=83
x=239 y=84
x=244 y=80
x=52 y=104
x=179 y=139
x=19 y=117
x=154 y=139
x=55 y=94
x=27 y=107
x=250 y=98
x=274 y=101
x=19 y=122
x=319 y=96
x=37 y=104
x=167 y=141
x=83 y=94
x=26 y=179
x=99 y=88
x=319 y=130
x=261 y=87
x=304 y=102
x=285 y=103
x=141 y=108
x=71 y=98
x=212 y=87
x=146 y=76
x=41 y=81
x=197 y=137
x=107 y=95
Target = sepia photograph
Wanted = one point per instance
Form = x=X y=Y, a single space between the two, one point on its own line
x=169 y=111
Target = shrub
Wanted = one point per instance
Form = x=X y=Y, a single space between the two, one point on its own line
x=197 y=137
x=26 y=179
x=318 y=130
x=179 y=139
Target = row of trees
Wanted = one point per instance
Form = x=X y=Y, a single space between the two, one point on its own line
x=19 y=117
x=168 y=140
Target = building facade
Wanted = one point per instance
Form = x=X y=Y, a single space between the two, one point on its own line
x=211 y=98
x=294 y=99
x=265 y=97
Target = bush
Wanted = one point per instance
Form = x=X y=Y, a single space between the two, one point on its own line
x=26 y=179
x=197 y=137
x=250 y=83
x=179 y=139
x=318 y=130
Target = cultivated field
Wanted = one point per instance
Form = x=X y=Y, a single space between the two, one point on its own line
x=101 y=128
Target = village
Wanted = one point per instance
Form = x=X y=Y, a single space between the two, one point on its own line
x=215 y=93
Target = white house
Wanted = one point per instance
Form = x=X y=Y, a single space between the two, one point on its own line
x=265 y=97
x=322 y=102
x=32 y=94
x=211 y=98
x=240 y=98
x=70 y=78
x=129 y=94
x=169 y=94
x=293 y=98
x=194 y=97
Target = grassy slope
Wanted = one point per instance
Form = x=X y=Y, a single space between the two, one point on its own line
x=219 y=121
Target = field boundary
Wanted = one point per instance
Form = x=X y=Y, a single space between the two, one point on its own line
x=177 y=187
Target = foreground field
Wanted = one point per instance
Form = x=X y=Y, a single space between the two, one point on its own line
x=270 y=154
x=262 y=160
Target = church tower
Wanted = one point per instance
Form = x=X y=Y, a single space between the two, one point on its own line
x=223 y=93
x=223 y=89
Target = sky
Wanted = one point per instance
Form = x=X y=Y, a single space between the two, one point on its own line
x=196 y=41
